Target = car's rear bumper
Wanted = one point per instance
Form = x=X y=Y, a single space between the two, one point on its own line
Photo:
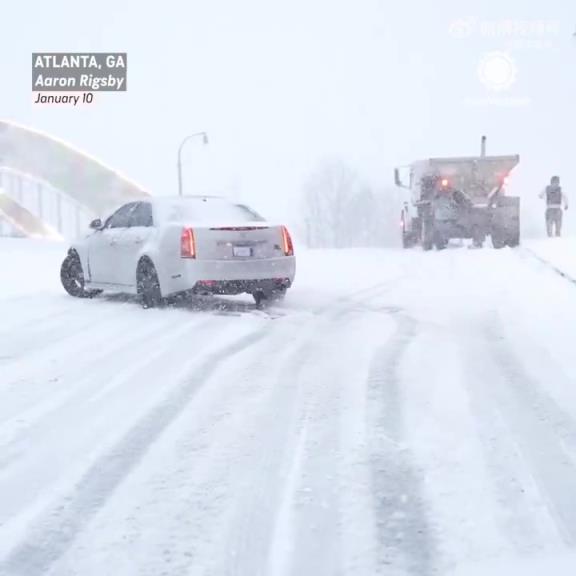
x=232 y=276
x=241 y=286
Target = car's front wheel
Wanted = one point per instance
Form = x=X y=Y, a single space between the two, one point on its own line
x=72 y=277
x=148 y=285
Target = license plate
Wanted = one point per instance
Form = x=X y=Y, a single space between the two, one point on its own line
x=242 y=251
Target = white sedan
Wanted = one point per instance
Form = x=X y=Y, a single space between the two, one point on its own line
x=163 y=247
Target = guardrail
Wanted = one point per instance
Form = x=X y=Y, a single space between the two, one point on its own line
x=43 y=209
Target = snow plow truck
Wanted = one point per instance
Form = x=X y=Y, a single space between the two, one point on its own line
x=462 y=197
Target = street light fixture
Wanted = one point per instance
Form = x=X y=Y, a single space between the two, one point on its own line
x=204 y=137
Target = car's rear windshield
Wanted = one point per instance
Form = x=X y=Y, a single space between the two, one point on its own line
x=209 y=210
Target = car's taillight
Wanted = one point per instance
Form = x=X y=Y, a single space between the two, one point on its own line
x=187 y=244
x=287 y=242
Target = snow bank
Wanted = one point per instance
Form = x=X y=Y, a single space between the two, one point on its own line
x=561 y=564
x=326 y=274
x=559 y=252
x=30 y=266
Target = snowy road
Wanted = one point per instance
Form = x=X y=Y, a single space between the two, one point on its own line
x=402 y=413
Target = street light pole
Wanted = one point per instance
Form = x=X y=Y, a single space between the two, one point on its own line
x=189 y=137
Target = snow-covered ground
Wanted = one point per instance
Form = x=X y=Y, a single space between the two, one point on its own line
x=558 y=252
x=401 y=413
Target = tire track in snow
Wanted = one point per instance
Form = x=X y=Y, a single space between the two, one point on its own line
x=264 y=533
x=32 y=306
x=526 y=523
x=351 y=302
x=265 y=513
x=544 y=432
x=93 y=349
x=211 y=457
x=44 y=335
x=223 y=508
x=33 y=318
x=51 y=537
x=276 y=512
x=36 y=356
x=403 y=530
x=121 y=363
x=26 y=398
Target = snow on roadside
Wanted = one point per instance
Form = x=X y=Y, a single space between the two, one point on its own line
x=323 y=275
x=30 y=266
x=559 y=564
x=559 y=252
x=455 y=476
x=484 y=499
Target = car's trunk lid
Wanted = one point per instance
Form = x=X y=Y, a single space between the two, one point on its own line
x=245 y=241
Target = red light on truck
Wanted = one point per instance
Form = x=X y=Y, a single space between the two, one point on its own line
x=445 y=182
x=287 y=242
x=187 y=244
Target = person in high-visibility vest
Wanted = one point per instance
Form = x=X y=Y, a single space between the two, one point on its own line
x=555 y=201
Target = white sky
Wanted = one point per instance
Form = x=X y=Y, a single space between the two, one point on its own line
x=279 y=86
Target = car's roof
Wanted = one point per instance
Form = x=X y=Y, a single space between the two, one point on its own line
x=174 y=199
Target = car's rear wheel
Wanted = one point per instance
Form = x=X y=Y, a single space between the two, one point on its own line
x=148 y=285
x=264 y=297
x=72 y=277
x=278 y=295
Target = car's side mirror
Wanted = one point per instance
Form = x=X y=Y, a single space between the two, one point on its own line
x=397 y=179
x=96 y=224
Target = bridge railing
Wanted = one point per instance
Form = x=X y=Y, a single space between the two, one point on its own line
x=59 y=211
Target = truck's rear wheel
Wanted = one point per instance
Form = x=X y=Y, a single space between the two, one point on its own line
x=513 y=240
x=427 y=234
x=478 y=237
x=263 y=298
x=408 y=237
x=498 y=240
x=440 y=242
x=408 y=240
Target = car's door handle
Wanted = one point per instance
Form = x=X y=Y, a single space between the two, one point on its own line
x=113 y=242
x=138 y=240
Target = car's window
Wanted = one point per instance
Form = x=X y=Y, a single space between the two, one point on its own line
x=252 y=214
x=121 y=218
x=209 y=210
x=141 y=215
